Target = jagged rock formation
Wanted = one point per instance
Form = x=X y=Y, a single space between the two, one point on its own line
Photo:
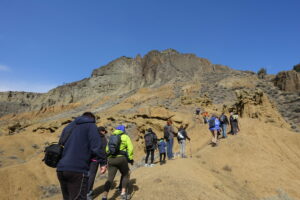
x=288 y=81
x=121 y=78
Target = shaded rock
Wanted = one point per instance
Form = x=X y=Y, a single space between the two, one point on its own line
x=288 y=81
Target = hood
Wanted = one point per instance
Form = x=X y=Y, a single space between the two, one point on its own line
x=118 y=132
x=83 y=120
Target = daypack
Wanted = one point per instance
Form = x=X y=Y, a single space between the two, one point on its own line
x=114 y=145
x=53 y=152
x=166 y=132
x=222 y=119
x=235 y=117
x=180 y=135
x=149 y=140
x=211 y=122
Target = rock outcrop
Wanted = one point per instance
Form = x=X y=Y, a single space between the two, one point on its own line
x=288 y=81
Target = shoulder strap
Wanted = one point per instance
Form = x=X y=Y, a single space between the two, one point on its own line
x=63 y=140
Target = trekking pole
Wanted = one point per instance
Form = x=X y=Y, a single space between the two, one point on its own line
x=190 y=148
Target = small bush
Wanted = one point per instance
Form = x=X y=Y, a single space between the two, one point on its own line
x=262 y=73
x=297 y=68
x=227 y=168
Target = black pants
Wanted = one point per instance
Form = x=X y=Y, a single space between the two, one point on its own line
x=162 y=157
x=73 y=185
x=92 y=175
x=115 y=164
x=147 y=156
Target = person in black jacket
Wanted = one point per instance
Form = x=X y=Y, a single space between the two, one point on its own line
x=182 y=136
x=223 y=123
x=150 y=145
x=95 y=162
x=82 y=144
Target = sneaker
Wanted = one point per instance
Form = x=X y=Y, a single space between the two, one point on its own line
x=123 y=196
x=152 y=165
x=89 y=195
x=146 y=165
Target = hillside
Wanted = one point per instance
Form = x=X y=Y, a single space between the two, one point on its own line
x=144 y=92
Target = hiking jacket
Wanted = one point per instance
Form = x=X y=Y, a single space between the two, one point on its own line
x=95 y=158
x=83 y=143
x=217 y=124
x=225 y=120
x=126 y=145
x=162 y=146
x=170 y=130
x=184 y=134
x=154 y=139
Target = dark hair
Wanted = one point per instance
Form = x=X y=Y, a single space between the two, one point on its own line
x=89 y=114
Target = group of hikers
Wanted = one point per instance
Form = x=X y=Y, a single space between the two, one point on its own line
x=86 y=147
x=218 y=124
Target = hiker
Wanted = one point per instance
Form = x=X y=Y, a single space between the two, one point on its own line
x=83 y=142
x=234 y=123
x=169 y=136
x=95 y=162
x=120 y=153
x=182 y=136
x=162 y=151
x=214 y=127
x=224 y=122
x=150 y=145
x=205 y=117
x=197 y=113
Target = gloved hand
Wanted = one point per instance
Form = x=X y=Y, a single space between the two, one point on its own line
x=131 y=162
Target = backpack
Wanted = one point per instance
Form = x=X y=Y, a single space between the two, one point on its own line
x=149 y=140
x=222 y=119
x=211 y=122
x=53 y=152
x=180 y=136
x=166 y=132
x=114 y=144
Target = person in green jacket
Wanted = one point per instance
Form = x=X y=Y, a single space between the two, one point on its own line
x=120 y=153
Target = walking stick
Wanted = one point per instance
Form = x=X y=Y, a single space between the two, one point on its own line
x=190 y=148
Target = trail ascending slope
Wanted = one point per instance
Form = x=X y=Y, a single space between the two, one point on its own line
x=252 y=165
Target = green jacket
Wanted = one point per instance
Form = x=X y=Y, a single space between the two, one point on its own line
x=126 y=144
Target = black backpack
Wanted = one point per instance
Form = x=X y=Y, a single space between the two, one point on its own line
x=222 y=119
x=149 y=140
x=166 y=132
x=53 y=152
x=211 y=122
x=114 y=145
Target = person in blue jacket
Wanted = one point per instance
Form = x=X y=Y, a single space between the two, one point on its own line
x=162 y=150
x=83 y=143
x=214 y=127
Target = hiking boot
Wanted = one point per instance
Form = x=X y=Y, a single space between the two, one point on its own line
x=123 y=196
x=89 y=195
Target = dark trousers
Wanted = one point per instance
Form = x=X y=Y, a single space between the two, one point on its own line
x=115 y=164
x=162 y=157
x=73 y=185
x=147 y=156
x=92 y=175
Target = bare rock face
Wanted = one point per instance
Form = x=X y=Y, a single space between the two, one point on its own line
x=288 y=81
x=119 y=77
x=256 y=104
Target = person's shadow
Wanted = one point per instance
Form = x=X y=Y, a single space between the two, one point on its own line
x=131 y=189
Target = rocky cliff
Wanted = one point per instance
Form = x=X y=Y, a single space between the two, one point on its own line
x=288 y=81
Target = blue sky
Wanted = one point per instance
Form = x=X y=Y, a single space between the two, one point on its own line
x=44 y=44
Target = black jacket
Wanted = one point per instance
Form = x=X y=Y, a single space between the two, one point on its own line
x=83 y=143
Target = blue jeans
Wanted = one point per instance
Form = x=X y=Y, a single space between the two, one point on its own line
x=224 y=126
x=170 y=148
